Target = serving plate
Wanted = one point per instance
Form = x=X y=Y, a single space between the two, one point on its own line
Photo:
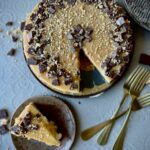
x=55 y=110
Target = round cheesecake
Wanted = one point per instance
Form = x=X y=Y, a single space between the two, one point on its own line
x=57 y=31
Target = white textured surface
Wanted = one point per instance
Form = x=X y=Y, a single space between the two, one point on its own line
x=17 y=84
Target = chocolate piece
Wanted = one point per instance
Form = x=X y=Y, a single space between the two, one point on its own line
x=9 y=23
x=27 y=120
x=56 y=82
x=31 y=51
x=12 y=52
x=16 y=129
x=33 y=127
x=28 y=27
x=32 y=61
x=144 y=59
x=3 y=129
x=22 y=26
x=38 y=115
x=51 y=9
x=126 y=58
x=42 y=68
x=33 y=16
x=68 y=80
x=74 y=86
x=71 y=2
x=15 y=38
x=3 y=113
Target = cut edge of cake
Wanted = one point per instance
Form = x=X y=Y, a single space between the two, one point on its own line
x=31 y=124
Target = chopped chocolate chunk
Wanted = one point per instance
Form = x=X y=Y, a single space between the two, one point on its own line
x=22 y=26
x=32 y=127
x=126 y=58
x=12 y=52
x=9 y=23
x=31 y=51
x=42 y=68
x=28 y=27
x=18 y=129
x=51 y=9
x=3 y=129
x=32 y=61
x=33 y=16
x=27 y=120
x=38 y=115
x=120 y=21
x=74 y=86
x=56 y=82
x=144 y=59
x=3 y=113
x=68 y=80
x=15 y=38
x=71 y=2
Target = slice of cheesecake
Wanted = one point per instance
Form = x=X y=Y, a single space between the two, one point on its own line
x=31 y=124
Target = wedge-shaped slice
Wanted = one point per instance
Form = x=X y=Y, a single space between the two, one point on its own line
x=31 y=124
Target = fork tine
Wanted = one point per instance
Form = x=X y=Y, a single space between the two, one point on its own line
x=144 y=81
x=132 y=77
x=133 y=73
x=136 y=86
x=145 y=97
x=141 y=83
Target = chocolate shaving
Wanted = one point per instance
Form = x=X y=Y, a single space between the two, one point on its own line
x=42 y=68
x=15 y=38
x=74 y=86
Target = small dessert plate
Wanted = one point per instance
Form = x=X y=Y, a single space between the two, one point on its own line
x=55 y=110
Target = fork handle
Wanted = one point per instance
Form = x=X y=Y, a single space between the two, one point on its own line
x=120 y=139
x=103 y=137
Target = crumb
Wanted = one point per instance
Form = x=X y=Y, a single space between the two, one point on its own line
x=12 y=52
x=9 y=23
x=79 y=102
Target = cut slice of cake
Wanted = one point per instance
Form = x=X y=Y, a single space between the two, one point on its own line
x=31 y=124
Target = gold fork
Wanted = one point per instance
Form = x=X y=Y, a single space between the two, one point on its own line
x=103 y=137
x=90 y=132
x=135 y=91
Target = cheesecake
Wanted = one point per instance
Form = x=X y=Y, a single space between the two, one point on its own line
x=32 y=124
x=57 y=30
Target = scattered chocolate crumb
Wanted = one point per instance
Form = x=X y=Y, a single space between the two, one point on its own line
x=3 y=113
x=15 y=38
x=144 y=59
x=22 y=25
x=32 y=61
x=1 y=30
x=9 y=23
x=68 y=80
x=12 y=52
x=79 y=102
x=3 y=129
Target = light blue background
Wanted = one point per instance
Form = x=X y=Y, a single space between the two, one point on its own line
x=17 y=84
